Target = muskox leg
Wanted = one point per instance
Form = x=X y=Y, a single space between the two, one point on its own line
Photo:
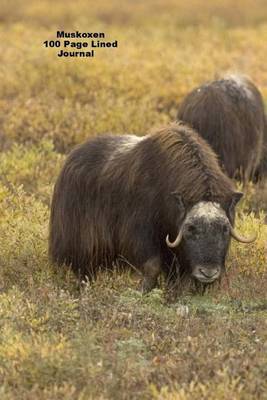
x=151 y=270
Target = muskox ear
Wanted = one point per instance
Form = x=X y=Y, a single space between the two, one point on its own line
x=179 y=201
x=236 y=197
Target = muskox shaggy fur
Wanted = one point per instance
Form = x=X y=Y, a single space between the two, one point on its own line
x=119 y=197
x=229 y=115
x=261 y=172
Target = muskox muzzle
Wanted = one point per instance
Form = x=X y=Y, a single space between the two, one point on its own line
x=206 y=274
x=203 y=241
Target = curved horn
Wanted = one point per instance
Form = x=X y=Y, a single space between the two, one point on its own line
x=177 y=240
x=241 y=239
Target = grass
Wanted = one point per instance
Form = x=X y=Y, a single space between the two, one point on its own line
x=107 y=341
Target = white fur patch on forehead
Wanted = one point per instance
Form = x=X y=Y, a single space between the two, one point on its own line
x=207 y=210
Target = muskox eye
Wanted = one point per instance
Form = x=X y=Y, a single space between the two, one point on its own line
x=192 y=229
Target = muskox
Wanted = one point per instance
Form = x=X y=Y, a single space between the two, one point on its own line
x=229 y=114
x=144 y=200
x=261 y=172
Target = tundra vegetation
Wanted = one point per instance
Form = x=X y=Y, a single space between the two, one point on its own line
x=107 y=341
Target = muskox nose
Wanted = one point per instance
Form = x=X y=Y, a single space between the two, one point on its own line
x=206 y=274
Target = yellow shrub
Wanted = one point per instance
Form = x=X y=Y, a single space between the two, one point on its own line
x=250 y=258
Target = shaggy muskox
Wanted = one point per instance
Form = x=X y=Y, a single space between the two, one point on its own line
x=143 y=199
x=229 y=115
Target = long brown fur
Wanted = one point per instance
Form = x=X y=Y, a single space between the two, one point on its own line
x=229 y=114
x=114 y=202
x=261 y=171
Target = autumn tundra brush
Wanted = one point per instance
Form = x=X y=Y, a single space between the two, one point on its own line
x=144 y=200
x=229 y=114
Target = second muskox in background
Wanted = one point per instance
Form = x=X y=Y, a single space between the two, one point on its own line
x=126 y=196
x=229 y=114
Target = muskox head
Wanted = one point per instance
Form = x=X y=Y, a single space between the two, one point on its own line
x=204 y=237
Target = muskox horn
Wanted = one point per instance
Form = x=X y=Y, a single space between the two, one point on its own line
x=177 y=240
x=241 y=239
